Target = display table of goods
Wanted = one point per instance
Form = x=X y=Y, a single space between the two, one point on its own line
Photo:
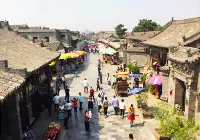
x=53 y=131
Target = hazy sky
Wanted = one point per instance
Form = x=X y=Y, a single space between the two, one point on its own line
x=95 y=15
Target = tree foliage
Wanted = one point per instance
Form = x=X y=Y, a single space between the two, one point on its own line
x=134 y=69
x=146 y=25
x=120 y=30
x=173 y=125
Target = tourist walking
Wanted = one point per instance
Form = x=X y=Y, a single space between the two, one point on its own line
x=92 y=93
x=66 y=119
x=80 y=99
x=102 y=94
x=131 y=115
x=130 y=136
x=115 y=104
x=66 y=93
x=56 y=100
x=68 y=107
x=86 y=85
x=87 y=123
x=122 y=108
x=108 y=79
x=90 y=104
x=75 y=106
x=100 y=77
x=114 y=80
x=98 y=84
x=105 y=107
x=99 y=102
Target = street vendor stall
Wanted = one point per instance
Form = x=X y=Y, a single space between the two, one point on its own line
x=53 y=131
x=121 y=87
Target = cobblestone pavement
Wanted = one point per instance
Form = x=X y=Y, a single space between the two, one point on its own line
x=111 y=128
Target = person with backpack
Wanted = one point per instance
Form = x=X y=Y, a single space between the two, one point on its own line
x=105 y=107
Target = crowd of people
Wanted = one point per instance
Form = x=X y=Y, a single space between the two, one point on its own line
x=95 y=97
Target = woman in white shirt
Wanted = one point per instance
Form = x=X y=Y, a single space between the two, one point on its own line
x=122 y=108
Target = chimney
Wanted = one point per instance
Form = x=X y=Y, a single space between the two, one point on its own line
x=172 y=18
x=3 y=64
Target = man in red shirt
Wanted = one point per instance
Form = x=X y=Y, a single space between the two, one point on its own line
x=92 y=93
x=75 y=105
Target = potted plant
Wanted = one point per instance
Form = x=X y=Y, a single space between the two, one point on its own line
x=139 y=100
x=133 y=69
x=173 y=125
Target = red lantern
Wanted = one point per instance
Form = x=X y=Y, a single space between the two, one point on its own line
x=115 y=55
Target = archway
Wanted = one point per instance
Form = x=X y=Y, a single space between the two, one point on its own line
x=180 y=93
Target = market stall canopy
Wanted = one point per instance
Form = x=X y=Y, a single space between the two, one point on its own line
x=135 y=75
x=82 y=52
x=135 y=90
x=67 y=56
x=122 y=74
x=110 y=51
x=102 y=50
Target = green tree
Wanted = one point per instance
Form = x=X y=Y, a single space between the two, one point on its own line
x=146 y=25
x=120 y=30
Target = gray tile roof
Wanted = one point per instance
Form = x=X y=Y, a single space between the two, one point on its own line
x=184 y=54
x=176 y=33
x=142 y=36
x=21 y=53
x=8 y=83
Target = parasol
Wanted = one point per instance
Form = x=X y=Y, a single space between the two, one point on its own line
x=135 y=90
x=135 y=75
x=155 y=80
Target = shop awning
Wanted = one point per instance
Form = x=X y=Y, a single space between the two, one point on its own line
x=68 y=55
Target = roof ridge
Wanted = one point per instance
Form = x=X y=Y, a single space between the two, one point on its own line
x=185 y=21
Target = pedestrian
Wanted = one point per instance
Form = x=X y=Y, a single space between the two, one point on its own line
x=130 y=136
x=66 y=119
x=86 y=85
x=124 y=68
x=87 y=123
x=131 y=115
x=75 y=105
x=80 y=99
x=57 y=88
x=115 y=104
x=66 y=93
x=90 y=104
x=98 y=85
x=114 y=80
x=56 y=100
x=68 y=107
x=92 y=93
x=102 y=94
x=75 y=73
x=100 y=77
x=99 y=102
x=122 y=108
x=108 y=75
x=105 y=107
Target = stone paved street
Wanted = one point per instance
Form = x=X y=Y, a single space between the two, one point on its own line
x=111 y=128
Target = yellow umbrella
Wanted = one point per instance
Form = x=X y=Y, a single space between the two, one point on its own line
x=81 y=52
x=122 y=74
x=52 y=63
x=73 y=55
x=67 y=56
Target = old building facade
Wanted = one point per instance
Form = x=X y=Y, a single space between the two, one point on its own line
x=175 y=33
x=24 y=82
x=184 y=80
x=46 y=37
